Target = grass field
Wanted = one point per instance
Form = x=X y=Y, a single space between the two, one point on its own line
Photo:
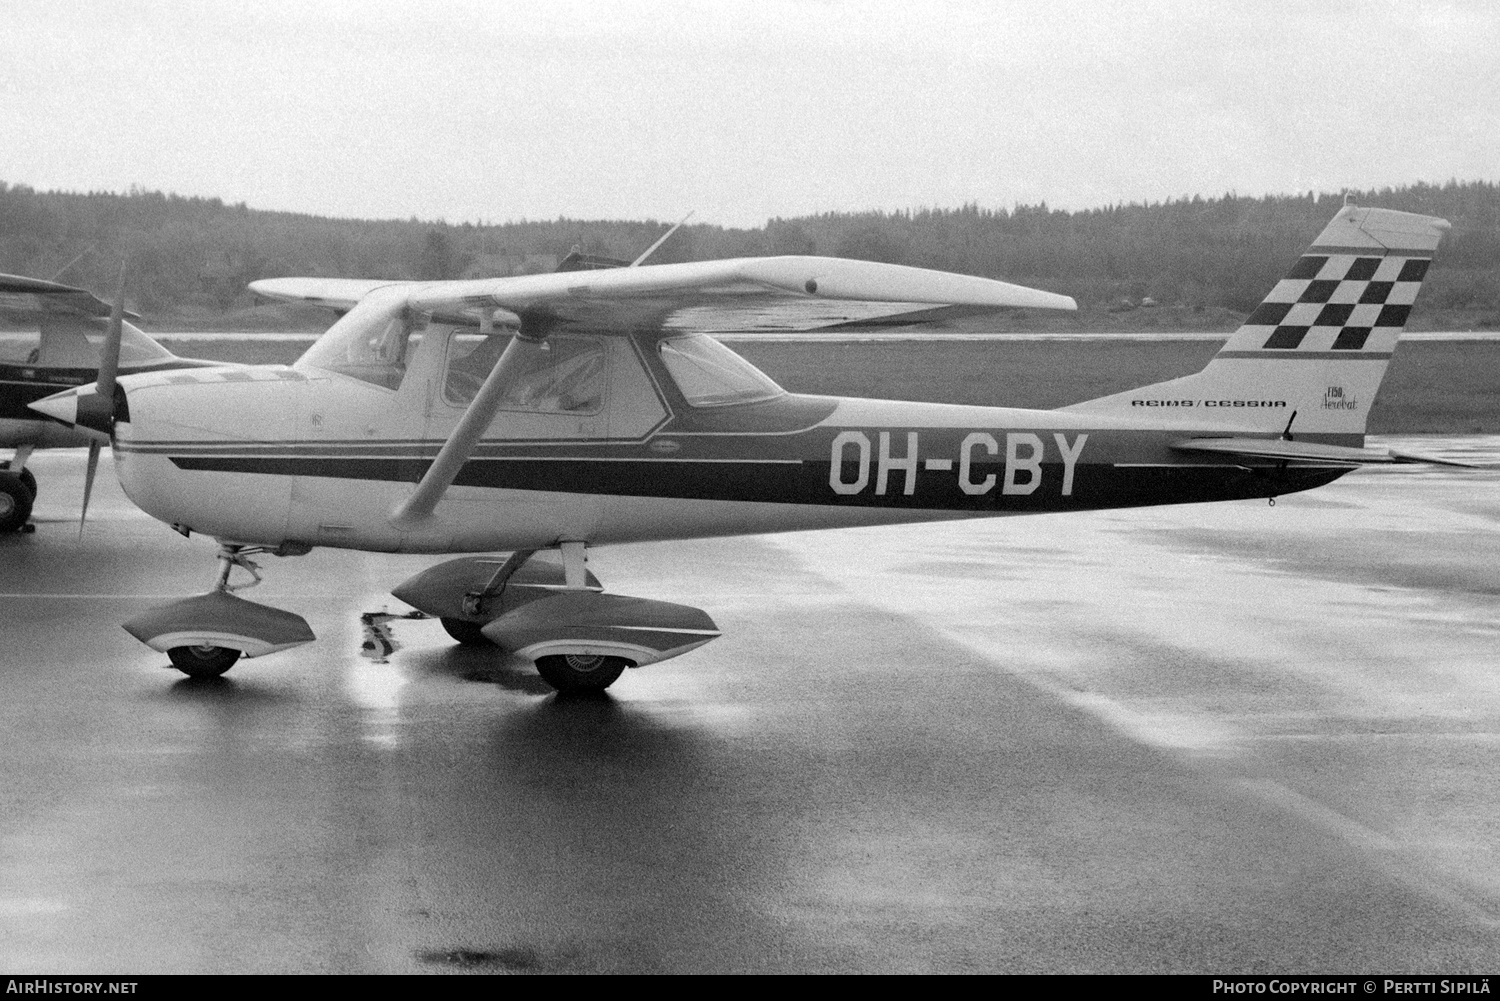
x=1449 y=387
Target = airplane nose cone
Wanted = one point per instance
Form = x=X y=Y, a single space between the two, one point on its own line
x=61 y=407
x=85 y=409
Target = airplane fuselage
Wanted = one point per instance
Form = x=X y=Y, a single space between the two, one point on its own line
x=318 y=458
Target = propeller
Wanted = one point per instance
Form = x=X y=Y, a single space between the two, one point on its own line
x=104 y=388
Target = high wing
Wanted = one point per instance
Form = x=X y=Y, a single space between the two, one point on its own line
x=33 y=298
x=673 y=295
x=1305 y=451
x=341 y=294
x=749 y=293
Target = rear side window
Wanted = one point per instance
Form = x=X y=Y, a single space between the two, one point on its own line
x=711 y=375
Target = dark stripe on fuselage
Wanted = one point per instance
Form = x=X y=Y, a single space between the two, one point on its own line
x=1129 y=469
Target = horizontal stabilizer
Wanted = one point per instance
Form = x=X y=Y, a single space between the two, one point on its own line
x=1306 y=451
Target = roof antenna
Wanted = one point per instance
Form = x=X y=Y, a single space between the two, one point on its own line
x=64 y=269
x=651 y=249
x=1286 y=435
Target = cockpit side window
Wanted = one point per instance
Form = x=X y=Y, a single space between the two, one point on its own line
x=711 y=375
x=567 y=376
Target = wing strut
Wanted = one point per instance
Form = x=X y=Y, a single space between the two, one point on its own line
x=524 y=348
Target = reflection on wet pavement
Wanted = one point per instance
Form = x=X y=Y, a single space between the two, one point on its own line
x=1211 y=737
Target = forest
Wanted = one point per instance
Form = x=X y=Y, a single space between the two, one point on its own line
x=1205 y=261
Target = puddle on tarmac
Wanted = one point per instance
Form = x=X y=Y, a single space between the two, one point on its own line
x=379 y=642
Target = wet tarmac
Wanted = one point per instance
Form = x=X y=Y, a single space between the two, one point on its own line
x=1213 y=738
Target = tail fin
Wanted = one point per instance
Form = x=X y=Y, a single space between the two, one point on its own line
x=1319 y=344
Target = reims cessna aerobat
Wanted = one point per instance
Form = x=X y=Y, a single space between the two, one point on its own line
x=58 y=331
x=420 y=423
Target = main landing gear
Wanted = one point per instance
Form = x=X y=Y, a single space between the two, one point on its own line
x=203 y=661
x=580 y=639
x=205 y=635
x=581 y=672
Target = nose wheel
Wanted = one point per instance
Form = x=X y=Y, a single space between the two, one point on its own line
x=205 y=660
x=206 y=634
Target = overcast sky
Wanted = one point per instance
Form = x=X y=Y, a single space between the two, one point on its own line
x=471 y=111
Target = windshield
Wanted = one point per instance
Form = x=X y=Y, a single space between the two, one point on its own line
x=711 y=375
x=78 y=343
x=371 y=342
x=135 y=347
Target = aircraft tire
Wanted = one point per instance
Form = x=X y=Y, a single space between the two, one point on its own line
x=570 y=673
x=203 y=661
x=27 y=477
x=15 y=502
x=467 y=633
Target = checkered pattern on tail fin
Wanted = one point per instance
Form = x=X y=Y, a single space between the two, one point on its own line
x=1319 y=343
x=1337 y=299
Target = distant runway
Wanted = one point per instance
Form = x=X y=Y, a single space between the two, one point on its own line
x=1210 y=738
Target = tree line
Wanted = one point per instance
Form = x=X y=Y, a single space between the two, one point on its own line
x=193 y=256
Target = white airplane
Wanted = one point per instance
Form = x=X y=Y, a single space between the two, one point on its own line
x=56 y=341
x=608 y=418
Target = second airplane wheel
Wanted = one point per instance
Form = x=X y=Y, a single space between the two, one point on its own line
x=580 y=672
x=466 y=632
x=26 y=478
x=15 y=502
x=203 y=661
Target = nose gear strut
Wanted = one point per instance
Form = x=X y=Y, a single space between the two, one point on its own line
x=239 y=556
